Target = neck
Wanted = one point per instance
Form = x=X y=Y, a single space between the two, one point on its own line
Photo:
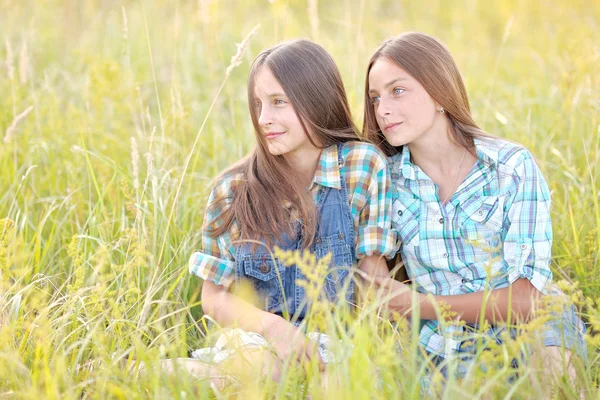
x=305 y=164
x=444 y=161
x=436 y=149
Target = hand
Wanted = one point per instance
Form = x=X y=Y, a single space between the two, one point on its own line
x=289 y=341
x=397 y=296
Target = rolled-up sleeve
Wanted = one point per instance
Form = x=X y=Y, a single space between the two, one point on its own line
x=375 y=234
x=528 y=238
x=215 y=261
x=217 y=270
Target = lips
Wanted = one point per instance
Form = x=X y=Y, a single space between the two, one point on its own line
x=273 y=135
x=391 y=127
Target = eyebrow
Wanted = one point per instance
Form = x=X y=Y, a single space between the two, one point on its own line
x=276 y=94
x=390 y=83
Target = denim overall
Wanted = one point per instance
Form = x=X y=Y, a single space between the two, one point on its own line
x=276 y=284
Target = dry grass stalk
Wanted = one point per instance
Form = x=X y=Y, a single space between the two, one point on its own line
x=135 y=159
x=10 y=66
x=24 y=63
x=236 y=60
x=11 y=129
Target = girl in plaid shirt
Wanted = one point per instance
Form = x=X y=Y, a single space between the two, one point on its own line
x=310 y=183
x=472 y=211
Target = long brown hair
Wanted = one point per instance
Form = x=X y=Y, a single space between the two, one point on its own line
x=312 y=83
x=429 y=61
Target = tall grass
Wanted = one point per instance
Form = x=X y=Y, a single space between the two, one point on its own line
x=103 y=190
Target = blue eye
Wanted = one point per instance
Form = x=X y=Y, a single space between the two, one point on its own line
x=278 y=101
x=375 y=99
x=398 y=91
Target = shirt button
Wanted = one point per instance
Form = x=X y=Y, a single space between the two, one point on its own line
x=318 y=240
x=463 y=280
x=441 y=221
x=264 y=268
x=480 y=212
x=341 y=236
x=445 y=255
x=523 y=246
x=399 y=213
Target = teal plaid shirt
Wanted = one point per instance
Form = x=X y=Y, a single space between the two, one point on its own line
x=495 y=229
x=370 y=196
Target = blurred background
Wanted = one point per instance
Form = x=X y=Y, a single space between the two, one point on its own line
x=102 y=192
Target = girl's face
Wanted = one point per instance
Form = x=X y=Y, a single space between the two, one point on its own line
x=404 y=110
x=277 y=118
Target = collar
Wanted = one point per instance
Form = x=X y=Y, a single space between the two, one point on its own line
x=406 y=166
x=328 y=169
x=486 y=151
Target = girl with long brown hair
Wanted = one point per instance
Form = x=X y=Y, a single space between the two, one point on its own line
x=311 y=184
x=472 y=211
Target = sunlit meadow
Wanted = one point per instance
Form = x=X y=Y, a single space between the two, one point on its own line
x=116 y=115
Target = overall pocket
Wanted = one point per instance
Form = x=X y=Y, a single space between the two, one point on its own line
x=267 y=278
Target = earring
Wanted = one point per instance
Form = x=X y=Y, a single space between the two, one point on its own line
x=441 y=110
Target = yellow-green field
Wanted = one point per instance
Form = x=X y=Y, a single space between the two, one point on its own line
x=116 y=115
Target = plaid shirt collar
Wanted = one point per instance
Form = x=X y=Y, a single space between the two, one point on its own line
x=328 y=169
x=488 y=156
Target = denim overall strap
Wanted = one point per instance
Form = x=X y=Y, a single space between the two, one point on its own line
x=336 y=235
x=349 y=218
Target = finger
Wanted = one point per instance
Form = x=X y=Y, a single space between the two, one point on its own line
x=380 y=280
x=375 y=279
x=369 y=279
x=363 y=275
x=313 y=355
x=310 y=354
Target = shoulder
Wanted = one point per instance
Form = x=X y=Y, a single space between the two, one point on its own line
x=363 y=156
x=517 y=170
x=225 y=184
x=510 y=157
x=220 y=200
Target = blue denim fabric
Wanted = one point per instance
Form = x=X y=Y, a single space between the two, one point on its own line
x=277 y=284
x=564 y=329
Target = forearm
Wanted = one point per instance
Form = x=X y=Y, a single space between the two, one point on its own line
x=374 y=266
x=516 y=302
x=229 y=309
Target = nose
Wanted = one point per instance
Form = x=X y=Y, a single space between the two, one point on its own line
x=383 y=108
x=265 y=117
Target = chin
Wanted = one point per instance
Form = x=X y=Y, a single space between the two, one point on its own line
x=396 y=140
x=277 y=150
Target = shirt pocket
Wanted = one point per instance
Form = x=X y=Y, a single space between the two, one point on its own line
x=405 y=220
x=481 y=217
x=267 y=277
x=481 y=220
x=338 y=278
